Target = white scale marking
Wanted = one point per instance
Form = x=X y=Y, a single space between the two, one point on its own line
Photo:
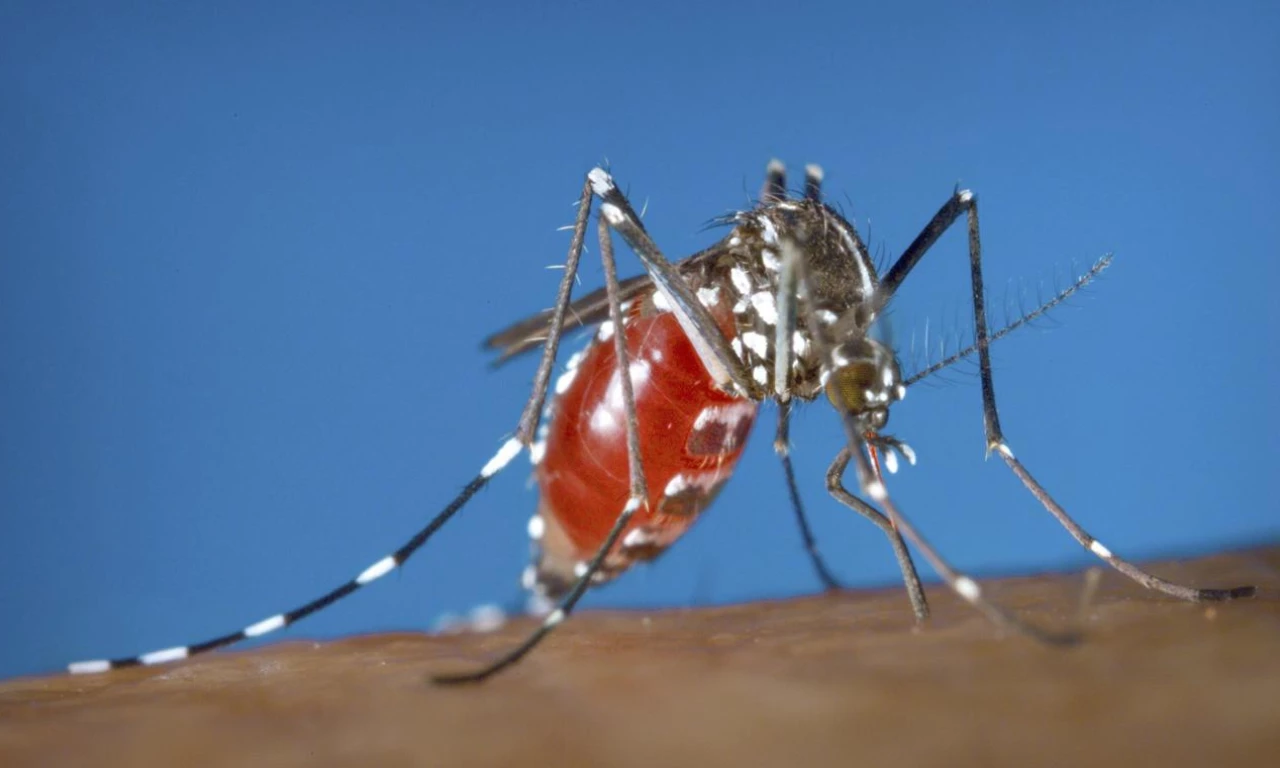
x=709 y=296
x=89 y=667
x=166 y=655
x=565 y=380
x=677 y=483
x=705 y=417
x=612 y=214
x=502 y=458
x=537 y=451
x=756 y=342
x=580 y=569
x=601 y=182
x=765 y=306
x=876 y=490
x=909 y=452
x=864 y=273
x=770 y=260
x=760 y=374
x=968 y=588
x=770 y=233
x=638 y=537
x=537 y=527
x=740 y=281
x=1098 y=549
x=800 y=343
x=660 y=302
x=265 y=626
x=377 y=570
x=1003 y=448
x=606 y=331
x=553 y=618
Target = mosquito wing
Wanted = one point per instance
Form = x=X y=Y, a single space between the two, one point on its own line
x=531 y=332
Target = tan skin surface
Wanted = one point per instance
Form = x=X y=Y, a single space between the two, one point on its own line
x=841 y=679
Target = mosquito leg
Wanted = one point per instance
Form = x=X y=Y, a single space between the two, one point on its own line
x=508 y=452
x=835 y=486
x=782 y=446
x=533 y=409
x=638 y=492
x=963 y=585
x=964 y=202
x=724 y=366
x=871 y=484
x=775 y=189
x=1096 y=547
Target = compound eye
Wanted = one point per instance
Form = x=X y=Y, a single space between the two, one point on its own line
x=851 y=386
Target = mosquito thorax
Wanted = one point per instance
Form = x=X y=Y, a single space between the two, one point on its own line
x=841 y=280
x=864 y=380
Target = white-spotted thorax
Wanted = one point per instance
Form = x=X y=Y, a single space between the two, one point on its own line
x=840 y=280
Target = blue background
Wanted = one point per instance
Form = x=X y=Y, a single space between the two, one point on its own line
x=247 y=255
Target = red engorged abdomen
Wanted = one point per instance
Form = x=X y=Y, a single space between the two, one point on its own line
x=691 y=436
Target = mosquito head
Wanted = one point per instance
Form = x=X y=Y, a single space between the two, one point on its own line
x=864 y=380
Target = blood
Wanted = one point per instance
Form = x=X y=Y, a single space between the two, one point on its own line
x=691 y=436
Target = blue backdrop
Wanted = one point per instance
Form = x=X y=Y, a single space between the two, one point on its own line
x=247 y=255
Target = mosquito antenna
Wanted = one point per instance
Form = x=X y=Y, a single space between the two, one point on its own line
x=1029 y=317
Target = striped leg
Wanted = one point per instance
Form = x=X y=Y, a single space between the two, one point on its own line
x=509 y=451
x=963 y=203
x=638 y=492
x=963 y=585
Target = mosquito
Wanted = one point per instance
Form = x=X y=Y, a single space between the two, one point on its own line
x=646 y=424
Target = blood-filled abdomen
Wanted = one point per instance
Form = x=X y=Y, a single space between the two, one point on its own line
x=691 y=435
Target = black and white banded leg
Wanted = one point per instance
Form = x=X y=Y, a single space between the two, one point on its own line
x=860 y=428
x=638 y=493
x=504 y=456
x=964 y=586
x=961 y=203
